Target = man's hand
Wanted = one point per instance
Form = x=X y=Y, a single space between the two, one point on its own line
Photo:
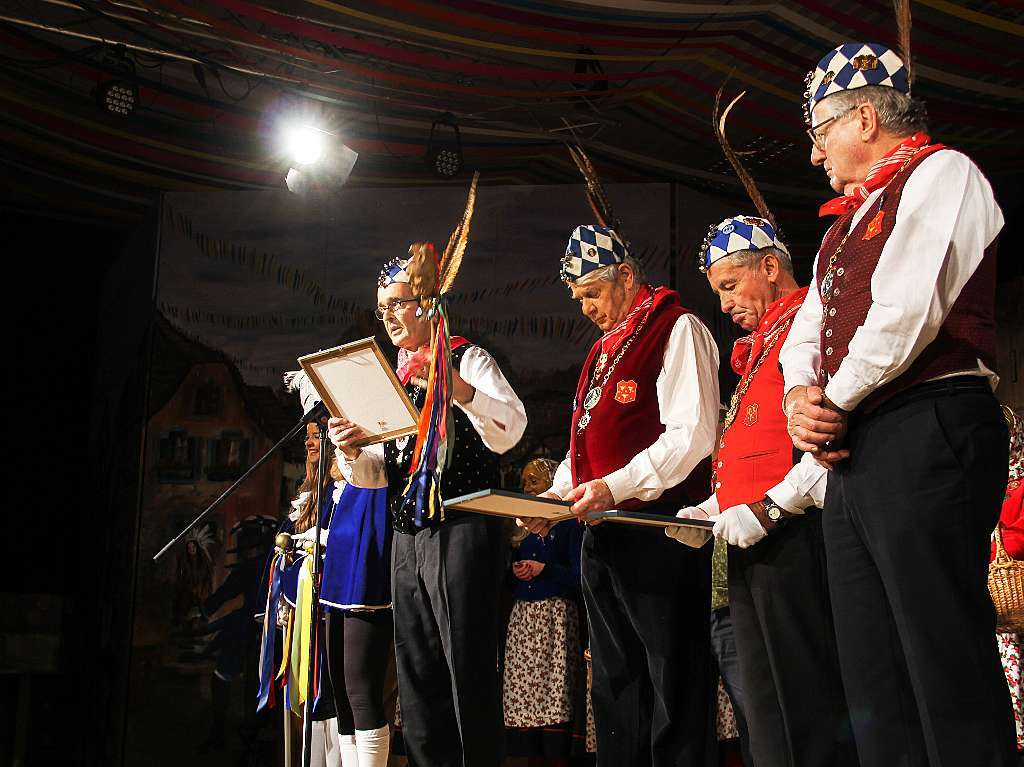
x=538 y=525
x=462 y=391
x=344 y=434
x=815 y=425
x=691 y=536
x=527 y=569
x=589 y=497
x=738 y=526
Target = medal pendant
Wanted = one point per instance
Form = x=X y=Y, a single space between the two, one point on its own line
x=592 y=398
x=826 y=286
x=584 y=420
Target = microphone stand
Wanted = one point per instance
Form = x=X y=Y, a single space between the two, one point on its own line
x=322 y=477
x=313 y=416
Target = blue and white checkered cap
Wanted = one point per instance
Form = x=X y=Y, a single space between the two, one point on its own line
x=591 y=247
x=395 y=270
x=735 y=235
x=854 y=65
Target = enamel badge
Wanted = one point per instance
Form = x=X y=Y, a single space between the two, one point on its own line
x=874 y=226
x=625 y=392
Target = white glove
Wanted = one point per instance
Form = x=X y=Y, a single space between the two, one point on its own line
x=738 y=526
x=691 y=536
x=310 y=534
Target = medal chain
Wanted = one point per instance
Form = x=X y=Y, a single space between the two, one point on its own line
x=587 y=404
x=741 y=389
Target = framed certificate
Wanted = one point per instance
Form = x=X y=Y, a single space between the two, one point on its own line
x=504 y=503
x=356 y=382
x=651 y=520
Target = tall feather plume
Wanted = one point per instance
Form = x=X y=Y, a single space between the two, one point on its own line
x=902 y=8
x=596 y=195
x=456 y=249
x=718 y=121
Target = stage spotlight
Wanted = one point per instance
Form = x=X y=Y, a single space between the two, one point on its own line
x=304 y=143
x=444 y=152
x=118 y=93
x=320 y=161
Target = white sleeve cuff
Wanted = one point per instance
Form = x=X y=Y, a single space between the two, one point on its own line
x=366 y=469
x=621 y=484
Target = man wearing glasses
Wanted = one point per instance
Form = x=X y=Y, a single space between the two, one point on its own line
x=446 y=577
x=888 y=377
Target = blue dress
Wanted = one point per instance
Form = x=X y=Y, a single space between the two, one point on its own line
x=357 y=565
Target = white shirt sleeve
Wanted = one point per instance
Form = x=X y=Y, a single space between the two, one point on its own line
x=561 y=484
x=687 y=389
x=496 y=412
x=800 y=356
x=803 y=486
x=946 y=218
x=367 y=469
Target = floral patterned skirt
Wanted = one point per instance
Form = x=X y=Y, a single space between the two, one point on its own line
x=542 y=651
x=1009 y=654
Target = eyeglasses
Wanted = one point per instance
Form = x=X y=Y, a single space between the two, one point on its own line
x=818 y=135
x=392 y=306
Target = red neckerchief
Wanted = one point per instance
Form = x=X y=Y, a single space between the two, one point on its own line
x=746 y=350
x=409 y=363
x=881 y=173
x=646 y=300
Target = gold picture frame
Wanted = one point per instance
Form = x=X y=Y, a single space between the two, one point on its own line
x=355 y=381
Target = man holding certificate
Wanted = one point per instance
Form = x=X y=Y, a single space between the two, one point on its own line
x=644 y=418
x=446 y=570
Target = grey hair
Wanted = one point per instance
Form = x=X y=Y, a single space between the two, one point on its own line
x=750 y=258
x=611 y=274
x=899 y=113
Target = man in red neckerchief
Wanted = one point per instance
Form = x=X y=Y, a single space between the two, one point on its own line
x=644 y=419
x=778 y=590
x=889 y=377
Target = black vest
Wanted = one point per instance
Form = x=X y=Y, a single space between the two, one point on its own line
x=474 y=467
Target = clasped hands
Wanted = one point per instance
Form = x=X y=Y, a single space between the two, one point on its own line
x=816 y=425
x=527 y=569
x=586 y=498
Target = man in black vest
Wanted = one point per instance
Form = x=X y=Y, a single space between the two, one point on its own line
x=888 y=378
x=445 y=576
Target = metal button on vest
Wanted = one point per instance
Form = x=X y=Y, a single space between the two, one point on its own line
x=840 y=271
x=835 y=292
x=832 y=312
x=718 y=485
x=720 y=464
x=828 y=352
x=828 y=333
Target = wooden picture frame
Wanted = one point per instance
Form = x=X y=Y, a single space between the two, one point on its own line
x=508 y=504
x=355 y=381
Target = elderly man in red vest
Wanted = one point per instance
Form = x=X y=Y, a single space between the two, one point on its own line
x=889 y=377
x=778 y=591
x=643 y=420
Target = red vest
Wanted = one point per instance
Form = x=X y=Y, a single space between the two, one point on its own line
x=627 y=419
x=756 y=451
x=967 y=335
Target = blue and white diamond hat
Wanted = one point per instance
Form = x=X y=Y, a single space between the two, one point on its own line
x=854 y=65
x=735 y=235
x=395 y=270
x=591 y=247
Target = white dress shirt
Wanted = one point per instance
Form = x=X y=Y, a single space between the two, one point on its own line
x=946 y=218
x=687 y=390
x=495 y=412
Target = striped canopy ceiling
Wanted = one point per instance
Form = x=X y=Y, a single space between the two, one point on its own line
x=633 y=79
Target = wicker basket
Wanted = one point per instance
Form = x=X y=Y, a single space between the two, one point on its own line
x=1006 y=585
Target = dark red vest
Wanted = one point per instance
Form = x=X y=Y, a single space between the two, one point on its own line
x=968 y=333
x=627 y=419
x=757 y=451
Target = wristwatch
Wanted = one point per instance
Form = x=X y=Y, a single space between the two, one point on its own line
x=772 y=510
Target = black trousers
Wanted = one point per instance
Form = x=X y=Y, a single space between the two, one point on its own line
x=445 y=584
x=358 y=647
x=789 y=668
x=648 y=600
x=907 y=523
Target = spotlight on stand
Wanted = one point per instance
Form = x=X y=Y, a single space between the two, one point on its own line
x=444 y=149
x=320 y=162
x=118 y=93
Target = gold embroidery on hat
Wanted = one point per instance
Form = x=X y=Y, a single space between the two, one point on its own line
x=864 y=62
